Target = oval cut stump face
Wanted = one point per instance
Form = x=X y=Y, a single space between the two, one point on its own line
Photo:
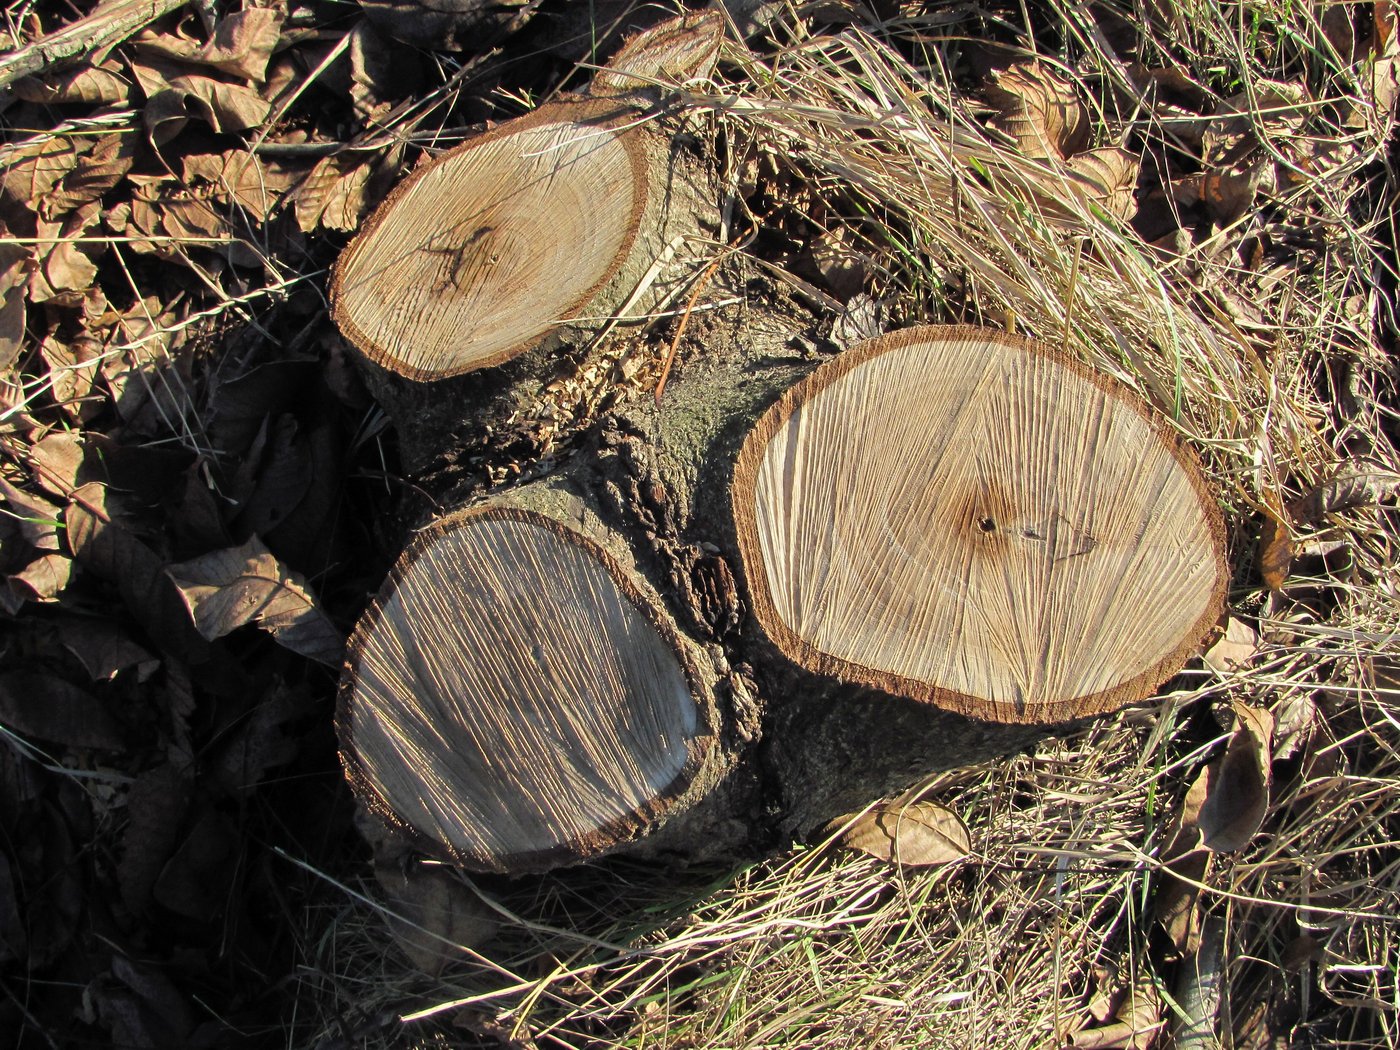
x=972 y=519
x=481 y=252
x=512 y=697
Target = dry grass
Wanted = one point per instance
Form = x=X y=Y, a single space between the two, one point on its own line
x=1271 y=372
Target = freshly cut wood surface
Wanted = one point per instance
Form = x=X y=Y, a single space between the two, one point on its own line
x=976 y=520
x=481 y=252
x=512 y=697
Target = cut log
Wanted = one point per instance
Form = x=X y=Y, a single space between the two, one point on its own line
x=978 y=521
x=951 y=540
x=518 y=699
x=522 y=242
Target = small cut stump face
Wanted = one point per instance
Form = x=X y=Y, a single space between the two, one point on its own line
x=513 y=698
x=480 y=253
x=978 y=521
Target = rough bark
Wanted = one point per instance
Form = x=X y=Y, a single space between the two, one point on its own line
x=796 y=741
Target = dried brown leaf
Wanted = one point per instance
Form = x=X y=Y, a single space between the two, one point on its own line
x=33 y=169
x=1229 y=193
x=198 y=874
x=1234 y=649
x=72 y=369
x=37 y=518
x=261 y=744
x=1275 y=552
x=1138 y=1019
x=155 y=807
x=376 y=72
x=341 y=190
x=104 y=648
x=1106 y=177
x=1357 y=483
x=1040 y=109
x=241 y=45
x=842 y=266
x=62 y=261
x=55 y=462
x=43 y=579
x=226 y=589
x=433 y=916
x=97 y=170
x=14 y=288
x=58 y=712
x=87 y=85
x=110 y=550
x=171 y=95
x=241 y=178
x=1237 y=785
x=1177 y=894
x=914 y=835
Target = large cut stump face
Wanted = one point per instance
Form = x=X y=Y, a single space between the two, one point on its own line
x=480 y=253
x=976 y=520
x=513 y=697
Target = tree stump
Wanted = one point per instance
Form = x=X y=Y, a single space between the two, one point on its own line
x=951 y=540
x=490 y=262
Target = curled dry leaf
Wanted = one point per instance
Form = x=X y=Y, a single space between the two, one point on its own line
x=844 y=268
x=913 y=835
x=1234 y=649
x=342 y=188
x=1040 y=109
x=101 y=163
x=1106 y=177
x=433 y=916
x=52 y=710
x=1275 y=552
x=1357 y=483
x=241 y=45
x=86 y=85
x=14 y=285
x=37 y=518
x=1237 y=784
x=33 y=169
x=43 y=579
x=172 y=93
x=226 y=589
x=104 y=648
x=1135 y=1024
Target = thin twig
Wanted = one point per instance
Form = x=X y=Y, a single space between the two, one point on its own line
x=110 y=24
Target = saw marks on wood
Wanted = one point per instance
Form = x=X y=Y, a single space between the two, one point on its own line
x=512 y=697
x=480 y=253
x=968 y=517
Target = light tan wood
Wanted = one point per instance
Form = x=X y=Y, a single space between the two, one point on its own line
x=483 y=251
x=976 y=520
x=674 y=51
x=512 y=696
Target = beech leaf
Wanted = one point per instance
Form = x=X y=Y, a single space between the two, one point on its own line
x=1040 y=110
x=241 y=45
x=916 y=835
x=432 y=915
x=87 y=85
x=52 y=710
x=1236 y=647
x=226 y=589
x=1275 y=552
x=1237 y=785
x=1357 y=483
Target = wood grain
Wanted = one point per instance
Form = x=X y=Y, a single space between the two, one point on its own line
x=977 y=520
